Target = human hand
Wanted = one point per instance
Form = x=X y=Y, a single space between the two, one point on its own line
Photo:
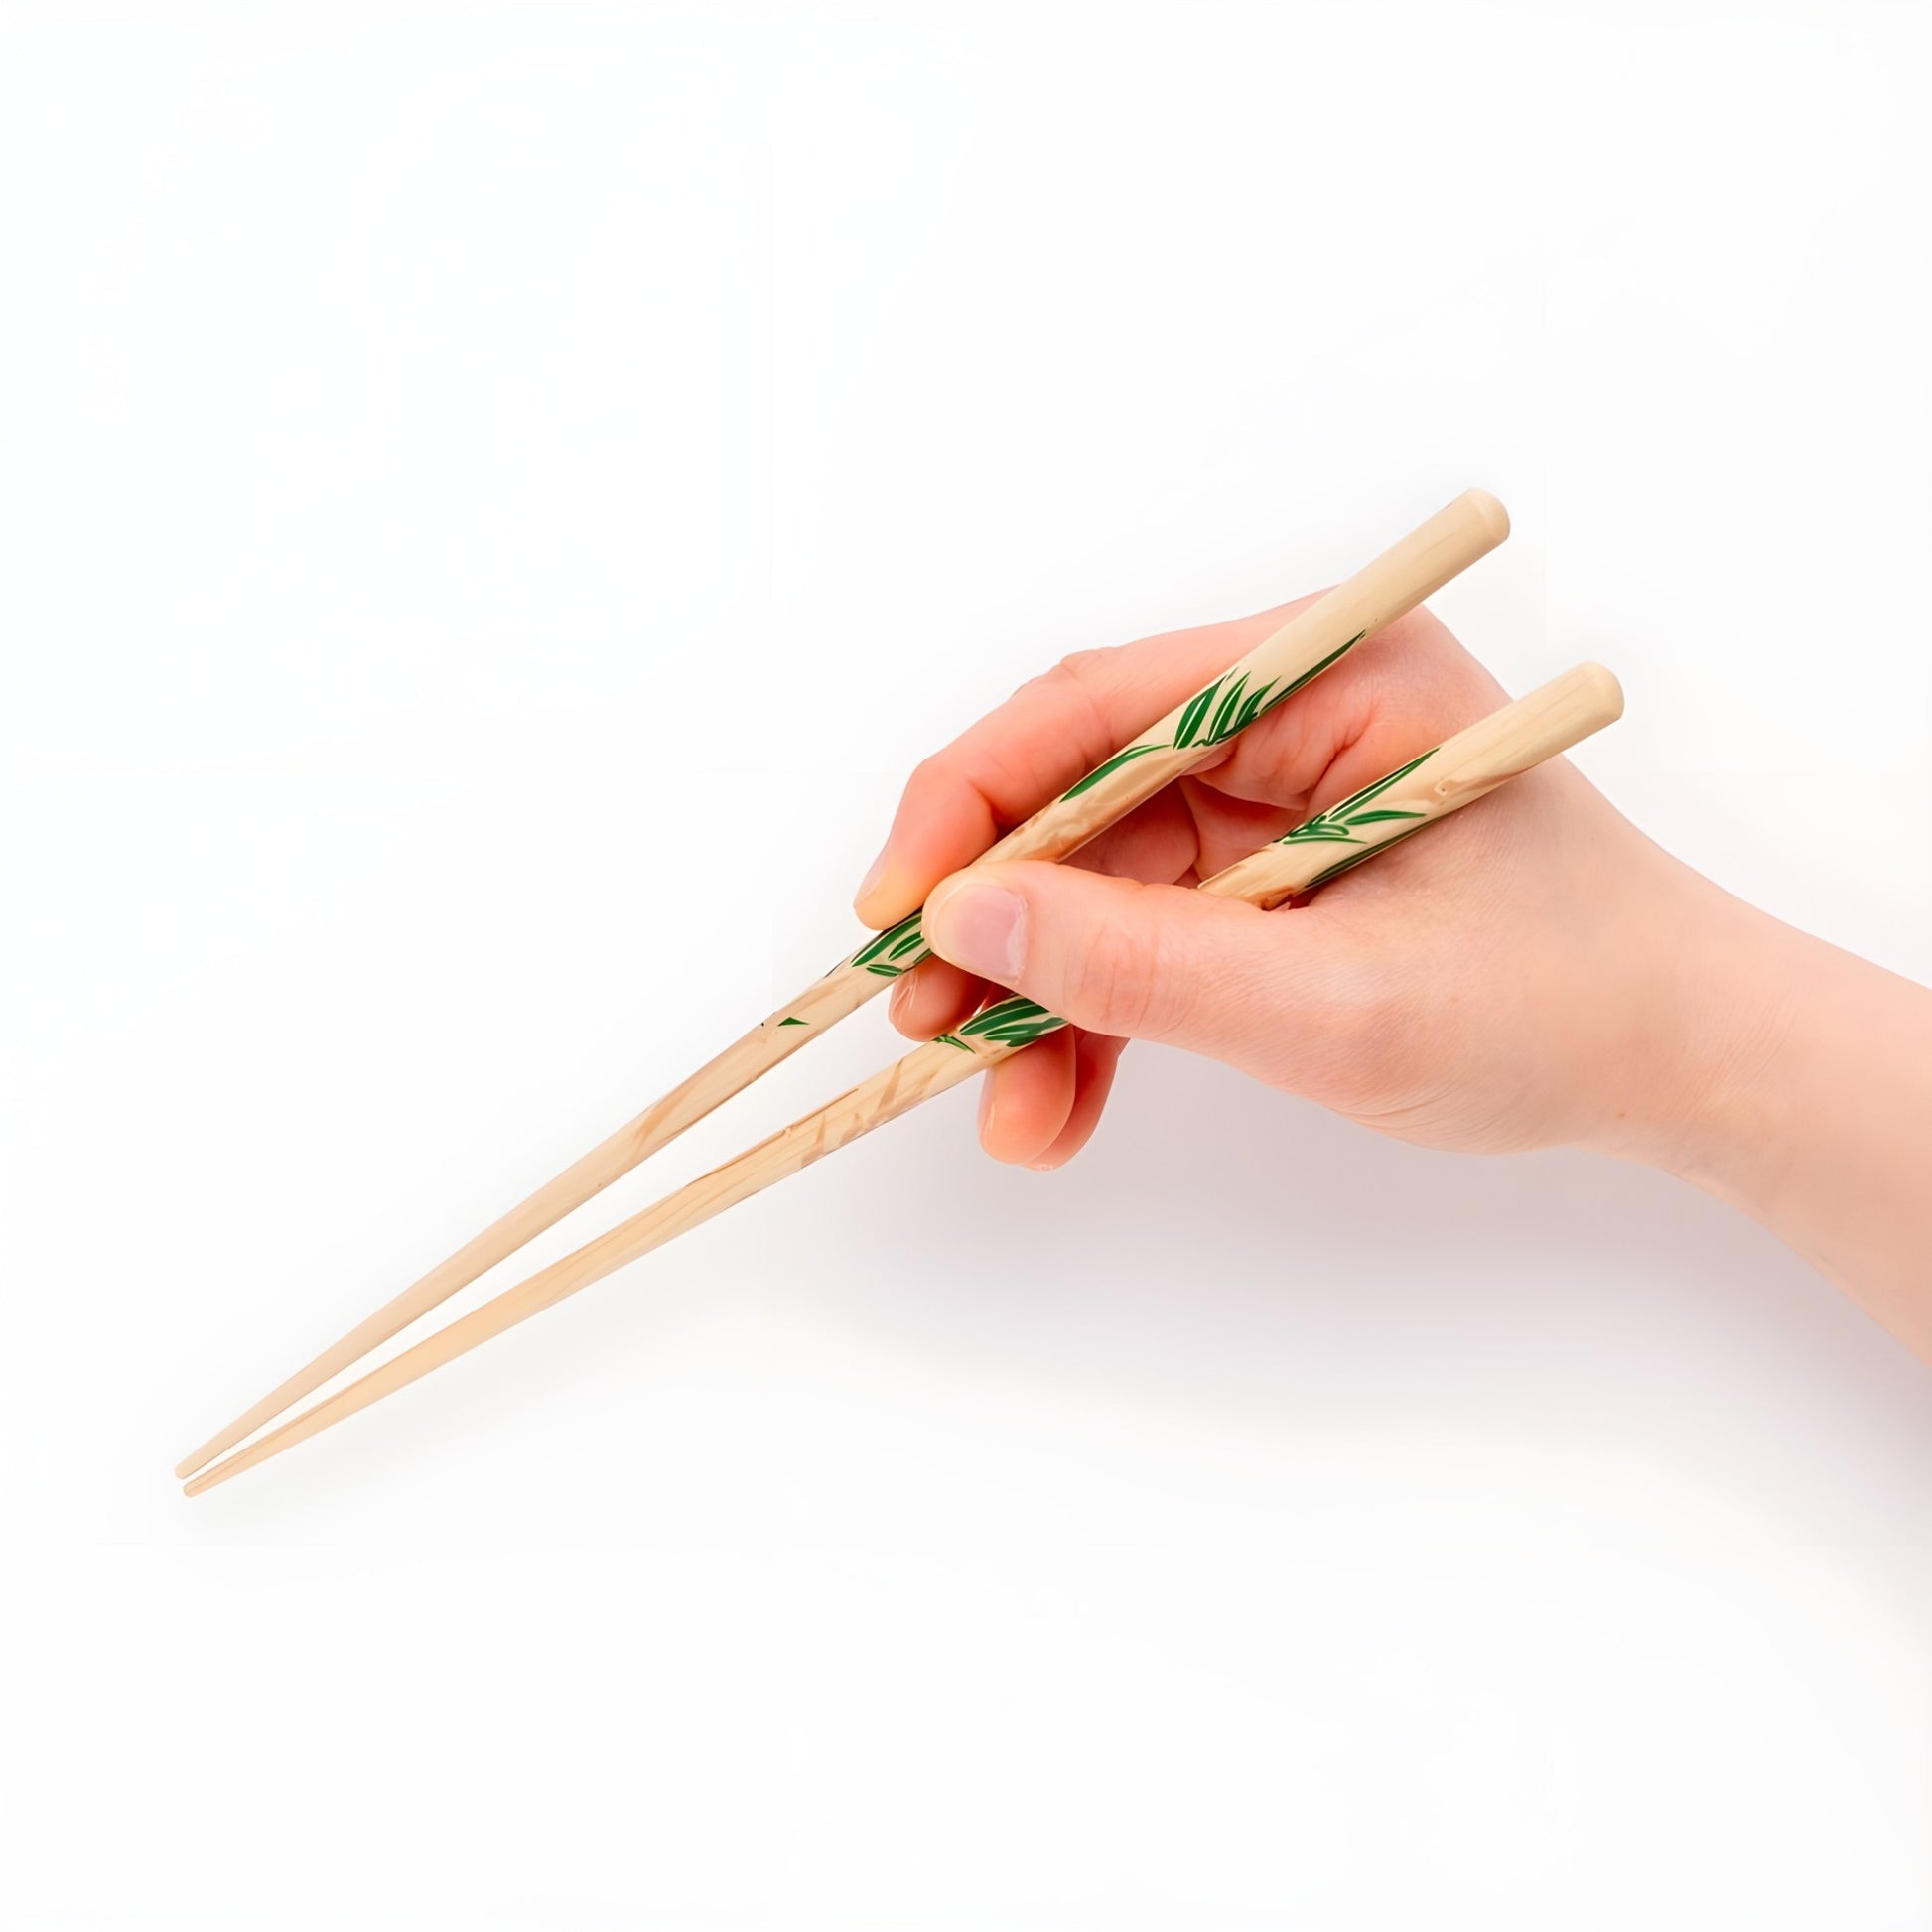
x=1534 y=973
x=1487 y=991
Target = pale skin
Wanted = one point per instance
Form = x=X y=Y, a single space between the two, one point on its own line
x=1533 y=973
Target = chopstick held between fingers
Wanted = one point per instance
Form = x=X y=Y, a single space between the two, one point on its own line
x=1299 y=650
x=1426 y=789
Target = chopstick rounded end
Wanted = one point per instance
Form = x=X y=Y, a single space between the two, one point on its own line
x=1603 y=694
x=1494 y=517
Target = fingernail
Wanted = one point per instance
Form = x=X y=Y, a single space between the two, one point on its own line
x=980 y=927
x=869 y=885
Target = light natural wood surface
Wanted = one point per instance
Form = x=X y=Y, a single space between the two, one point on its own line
x=1304 y=647
x=745 y=1061
x=1459 y=771
x=1382 y=591
x=1456 y=774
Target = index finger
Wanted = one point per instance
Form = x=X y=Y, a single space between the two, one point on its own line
x=1048 y=734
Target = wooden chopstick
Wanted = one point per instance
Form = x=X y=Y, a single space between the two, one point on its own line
x=1289 y=657
x=1428 y=788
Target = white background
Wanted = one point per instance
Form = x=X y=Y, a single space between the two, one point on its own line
x=493 y=500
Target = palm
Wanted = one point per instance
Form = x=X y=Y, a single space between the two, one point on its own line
x=1469 y=916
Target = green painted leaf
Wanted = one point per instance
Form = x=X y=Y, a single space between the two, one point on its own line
x=1108 y=769
x=1225 y=712
x=1315 y=670
x=791 y=1020
x=997 y=1015
x=1253 y=705
x=1191 y=718
x=1384 y=783
x=1339 y=821
x=1233 y=706
x=1355 y=858
x=892 y=942
x=949 y=1040
x=1012 y=1022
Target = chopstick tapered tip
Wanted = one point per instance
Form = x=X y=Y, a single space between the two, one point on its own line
x=204 y=1472
x=206 y=1479
x=215 y=1445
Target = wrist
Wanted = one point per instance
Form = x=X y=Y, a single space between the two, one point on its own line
x=1703 y=1088
x=1796 y=1085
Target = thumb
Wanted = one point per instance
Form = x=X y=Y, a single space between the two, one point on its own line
x=1112 y=956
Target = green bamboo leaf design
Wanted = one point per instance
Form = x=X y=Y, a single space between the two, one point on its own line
x=1012 y=1022
x=791 y=1020
x=1225 y=712
x=1340 y=821
x=1235 y=709
x=998 y=1014
x=1382 y=785
x=1252 y=706
x=1191 y=718
x=891 y=943
x=1312 y=831
x=1313 y=671
x=1355 y=859
x=1229 y=720
x=1018 y=1036
x=1108 y=769
x=950 y=1040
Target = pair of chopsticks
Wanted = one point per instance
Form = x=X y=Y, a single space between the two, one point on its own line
x=1441 y=781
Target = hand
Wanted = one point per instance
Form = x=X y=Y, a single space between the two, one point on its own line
x=1533 y=972
x=1488 y=987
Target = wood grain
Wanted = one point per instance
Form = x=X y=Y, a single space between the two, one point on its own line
x=1456 y=774
x=1306 y=644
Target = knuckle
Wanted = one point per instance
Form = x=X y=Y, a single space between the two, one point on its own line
x=932 y=775
x=1082 y=676
x=1122 y=981
x=1088 y=669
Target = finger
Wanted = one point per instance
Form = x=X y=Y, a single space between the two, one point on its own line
x=1031 y=747
x=1155 y=840
x=1221 y=829
x=1158 y=840
x=1095 y=1056
x=1409 y=688
x=1147 y=962
x=1027 y=1101
x=934 y=999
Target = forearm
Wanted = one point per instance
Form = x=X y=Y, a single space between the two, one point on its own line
x=1811 y=1110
